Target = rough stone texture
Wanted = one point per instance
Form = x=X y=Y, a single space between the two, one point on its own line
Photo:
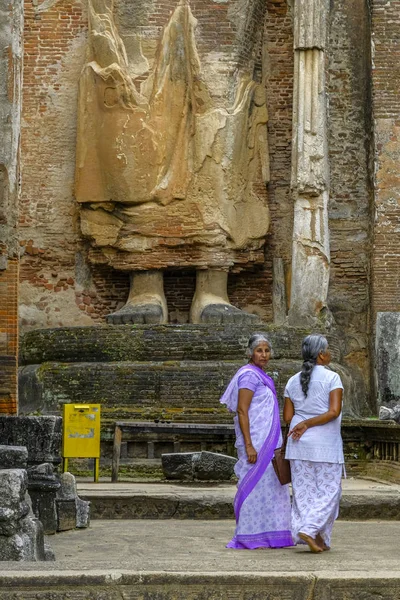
x=67 y=489
x=40 y=435
x=175 y=390
x=212 y=466
x=141 y=343
x=82 y=513
x=11 y=16
x=204 y=466
x=387 y=358
x=13 y=457
x=21 y=534
x=66 y=515
x=43 y=486
x=72 y=512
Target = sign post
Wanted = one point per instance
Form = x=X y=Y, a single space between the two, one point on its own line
x=81 y=434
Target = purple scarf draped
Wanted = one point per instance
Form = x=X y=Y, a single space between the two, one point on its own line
x=266 y=453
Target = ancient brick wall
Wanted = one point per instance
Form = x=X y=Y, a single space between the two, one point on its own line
x=10 y=105
x=386 y=112
x=349 y=122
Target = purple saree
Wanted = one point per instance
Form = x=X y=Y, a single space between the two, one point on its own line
x=262 y=504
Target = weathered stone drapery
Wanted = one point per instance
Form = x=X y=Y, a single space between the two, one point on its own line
x=310 y=169
x=169 y=173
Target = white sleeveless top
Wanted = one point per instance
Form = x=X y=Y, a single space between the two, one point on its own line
x=322 y=443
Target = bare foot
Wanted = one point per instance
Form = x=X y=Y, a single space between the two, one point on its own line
x=321 y=543
x=312 y=544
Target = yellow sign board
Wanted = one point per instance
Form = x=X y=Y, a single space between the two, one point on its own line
x=81 y=433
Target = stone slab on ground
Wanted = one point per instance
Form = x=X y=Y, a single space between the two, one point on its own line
x=362 y=499
x=203 y=466
x=158 y=561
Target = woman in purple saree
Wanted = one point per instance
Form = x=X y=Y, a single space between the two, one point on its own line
x=262 y=504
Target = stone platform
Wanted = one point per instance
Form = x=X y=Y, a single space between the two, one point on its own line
x=143 y=372
x=155 y=560
x=362 y=499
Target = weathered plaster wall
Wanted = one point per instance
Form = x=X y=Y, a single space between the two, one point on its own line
x=11 y=21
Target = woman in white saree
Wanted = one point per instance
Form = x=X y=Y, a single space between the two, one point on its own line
x=313 y=406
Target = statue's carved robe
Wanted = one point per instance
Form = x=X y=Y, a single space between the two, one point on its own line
x=167 y=176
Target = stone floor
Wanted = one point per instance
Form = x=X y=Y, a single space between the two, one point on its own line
x=163 y=560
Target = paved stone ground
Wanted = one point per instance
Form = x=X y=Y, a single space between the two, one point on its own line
x=187 y=560
x=163 y=560
x=199 y=546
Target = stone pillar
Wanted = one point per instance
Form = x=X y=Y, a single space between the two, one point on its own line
x=310 y=172
x=11 y=19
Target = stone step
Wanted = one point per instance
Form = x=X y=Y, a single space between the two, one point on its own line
x=157 y=343
x=116 y=583
x=168 y=501
x=143 y=390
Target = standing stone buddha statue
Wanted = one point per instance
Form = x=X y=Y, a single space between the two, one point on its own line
x=172 y=153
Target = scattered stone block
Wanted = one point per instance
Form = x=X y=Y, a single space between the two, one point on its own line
x=390 y=414
x=82 y=513
x=210 y=465
x=43 y=486
x=41 y=436
x=178 y=465
x=66 y=515
x=21 y=534
x=72 y=512
x=67 y=489
x=13 y=457
x=202 y=466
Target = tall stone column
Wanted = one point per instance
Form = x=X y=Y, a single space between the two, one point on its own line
x=310 y=169
x=11 y=22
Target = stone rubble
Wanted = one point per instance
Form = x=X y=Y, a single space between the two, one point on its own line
x=200 y=466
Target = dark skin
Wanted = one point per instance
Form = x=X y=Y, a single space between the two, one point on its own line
x=259 y=358
x=335 y=405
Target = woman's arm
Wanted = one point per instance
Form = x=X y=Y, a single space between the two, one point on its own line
x=335 y=408
x=288 y=410
x=244 y=401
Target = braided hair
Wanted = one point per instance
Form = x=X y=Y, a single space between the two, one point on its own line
x=312 y=345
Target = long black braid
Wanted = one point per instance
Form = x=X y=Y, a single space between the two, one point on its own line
x=312 y=345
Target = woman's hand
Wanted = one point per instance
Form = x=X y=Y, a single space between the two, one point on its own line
x=298 y=430
x=251 y=454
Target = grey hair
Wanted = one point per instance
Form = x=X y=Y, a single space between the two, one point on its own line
x=311 y=346
x=255 y=340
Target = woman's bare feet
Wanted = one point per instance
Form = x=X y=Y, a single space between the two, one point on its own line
x=312 y=544
x=321 y=543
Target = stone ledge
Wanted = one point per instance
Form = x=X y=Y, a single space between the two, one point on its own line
x=353 y=507
x=161 y=342
x=115 y=585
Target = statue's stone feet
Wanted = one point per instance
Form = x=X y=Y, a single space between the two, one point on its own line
x=139 y=314
x=226 y=313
